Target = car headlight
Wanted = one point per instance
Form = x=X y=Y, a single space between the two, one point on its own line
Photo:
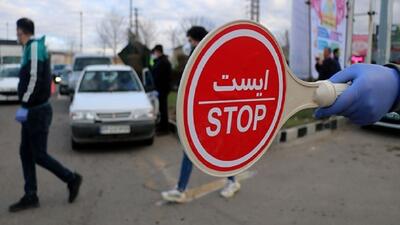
x=57 y=79
x=144 y=114
x=82 y=116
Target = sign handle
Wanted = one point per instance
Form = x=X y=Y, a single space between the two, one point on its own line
x=305 y=95
x=327 y=92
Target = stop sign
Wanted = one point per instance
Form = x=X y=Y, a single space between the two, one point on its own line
x=231 y=98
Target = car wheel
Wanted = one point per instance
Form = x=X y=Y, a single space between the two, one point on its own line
x=75 y=145
x=149 y=141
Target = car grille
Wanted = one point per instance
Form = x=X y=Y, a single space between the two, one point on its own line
x=112 y=116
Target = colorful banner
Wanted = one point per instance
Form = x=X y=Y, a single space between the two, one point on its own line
x=359 y=44
x=328 y=29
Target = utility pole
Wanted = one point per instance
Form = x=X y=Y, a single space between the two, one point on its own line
x=137 y=22
x=371 y=25
x=255 y=10
x=130 y=15
x=310 y=66
x=6 y=30
x=371 y=13
x=349 y=32
x=385 y=31
x=81 y=31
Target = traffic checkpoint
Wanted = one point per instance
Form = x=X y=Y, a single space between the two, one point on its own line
x=236 y=93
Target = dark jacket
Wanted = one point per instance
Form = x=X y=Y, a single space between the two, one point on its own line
x=396 y=107
x=328 y=67
x=34 y=75
x=161 y=71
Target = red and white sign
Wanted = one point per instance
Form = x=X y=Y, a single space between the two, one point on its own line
x=231 y=98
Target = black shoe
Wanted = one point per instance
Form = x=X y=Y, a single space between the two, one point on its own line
x=73 y=187
x=26 y=202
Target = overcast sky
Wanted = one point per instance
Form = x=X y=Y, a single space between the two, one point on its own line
x=59 y=19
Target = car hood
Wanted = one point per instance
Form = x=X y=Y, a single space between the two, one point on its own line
x=110 y=102
x=9 y=83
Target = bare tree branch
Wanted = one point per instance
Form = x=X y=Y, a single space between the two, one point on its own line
x=188 y=22
x=111 y=31
x=147 y=32
x=175 y=37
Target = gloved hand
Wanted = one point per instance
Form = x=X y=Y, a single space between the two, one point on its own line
x=371 y=95
x=21 y=115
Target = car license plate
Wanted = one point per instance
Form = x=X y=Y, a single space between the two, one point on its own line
x=115 y=129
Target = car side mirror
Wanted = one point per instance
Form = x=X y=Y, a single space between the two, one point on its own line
x=147 y=80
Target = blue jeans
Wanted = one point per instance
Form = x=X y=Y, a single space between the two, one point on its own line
x=33 y=148
x=186 y=170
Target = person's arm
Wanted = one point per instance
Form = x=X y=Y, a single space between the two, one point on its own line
x=374 y=91
x=25 y=77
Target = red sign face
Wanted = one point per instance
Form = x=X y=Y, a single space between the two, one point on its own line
x=231 y=98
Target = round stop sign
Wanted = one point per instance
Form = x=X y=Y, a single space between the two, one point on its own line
x=231 y=98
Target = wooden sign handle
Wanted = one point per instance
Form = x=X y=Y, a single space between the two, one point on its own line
x=305 y=95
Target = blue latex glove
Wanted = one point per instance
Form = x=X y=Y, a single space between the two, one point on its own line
x=371 y=95
x=21 y=115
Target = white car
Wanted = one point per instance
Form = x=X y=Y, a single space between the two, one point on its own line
x=110 y=104
x=9 y=82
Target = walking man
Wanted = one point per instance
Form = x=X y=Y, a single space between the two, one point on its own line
x=35 y=115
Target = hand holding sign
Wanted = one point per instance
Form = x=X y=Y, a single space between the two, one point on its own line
x=236 y=93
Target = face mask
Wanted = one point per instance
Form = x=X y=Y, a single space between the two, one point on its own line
x=187 y=49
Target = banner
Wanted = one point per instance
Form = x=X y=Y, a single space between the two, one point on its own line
x=328 y=29
x=300 y=40
x=359 y=44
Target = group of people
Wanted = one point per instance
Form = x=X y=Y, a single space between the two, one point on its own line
x=329 y=65
x=374 y=91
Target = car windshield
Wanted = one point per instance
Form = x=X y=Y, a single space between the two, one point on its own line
x=81 y=63
x=9 y=72
x=64 y=75
x=109 y=81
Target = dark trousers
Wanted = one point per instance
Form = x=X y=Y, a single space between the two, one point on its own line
x=186 y=171
x=163 y=100
x=33 y=148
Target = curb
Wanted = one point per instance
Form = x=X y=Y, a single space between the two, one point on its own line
x=301 y=131
x=297 y=132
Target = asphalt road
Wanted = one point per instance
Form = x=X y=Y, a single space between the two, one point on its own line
x=349 y=176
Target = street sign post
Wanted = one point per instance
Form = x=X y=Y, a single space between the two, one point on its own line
x=236 y=93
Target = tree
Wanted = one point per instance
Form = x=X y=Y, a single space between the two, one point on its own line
x=102 y=38
x=188 y=22
x=111 y=31
x=177 y=35
x=174 y=37
x=147 y=32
